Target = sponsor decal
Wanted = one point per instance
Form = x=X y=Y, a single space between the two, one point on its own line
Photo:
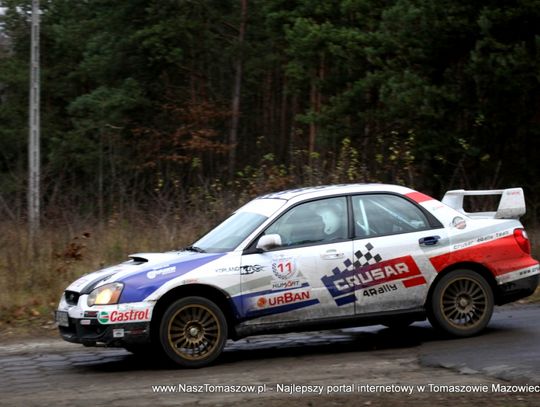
x=283 y=299
x=284 y=267
x=530 y=271
x=518 y=274
x=367 y=276
x=369 y=270
x=246 y=270
x=106 y=317
x=118 y=333
x=161 y=272
x=243 y=270
x=481 y=239
x=286 y=274
x=386 y=288
x=459 y=223
x=286 y=284
x=103 y=317
x=262 y=303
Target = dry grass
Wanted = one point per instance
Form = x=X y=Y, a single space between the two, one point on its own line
x=535 y=298
x=31 y=281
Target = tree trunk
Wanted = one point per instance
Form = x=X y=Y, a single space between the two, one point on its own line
x=315 y=99
x=284 y=116
x=235 y=107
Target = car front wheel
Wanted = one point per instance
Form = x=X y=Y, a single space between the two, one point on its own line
x=193 y=332
x=461 y=303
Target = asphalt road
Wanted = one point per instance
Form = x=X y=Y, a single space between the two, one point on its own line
x=509 y=349
x=52 y=372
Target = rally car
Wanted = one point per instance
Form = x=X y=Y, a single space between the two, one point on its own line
x=311 y=258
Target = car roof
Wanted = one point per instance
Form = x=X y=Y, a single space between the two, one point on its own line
x=326 y=190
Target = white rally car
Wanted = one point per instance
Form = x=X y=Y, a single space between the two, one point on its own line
x=312 y=258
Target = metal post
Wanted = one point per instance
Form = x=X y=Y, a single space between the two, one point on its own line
x=34 y=128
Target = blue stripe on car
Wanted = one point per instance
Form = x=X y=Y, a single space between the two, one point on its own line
x=280 y=309
x=137 y=287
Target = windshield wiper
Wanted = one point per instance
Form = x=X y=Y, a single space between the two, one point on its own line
x=194 y=249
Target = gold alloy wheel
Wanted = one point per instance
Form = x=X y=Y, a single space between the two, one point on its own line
x=194 y=332
x=464 y=303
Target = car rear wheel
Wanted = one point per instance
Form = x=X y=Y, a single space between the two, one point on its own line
x=461 y=303
x=193 y=332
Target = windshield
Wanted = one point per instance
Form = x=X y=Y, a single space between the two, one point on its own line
x=234 y=230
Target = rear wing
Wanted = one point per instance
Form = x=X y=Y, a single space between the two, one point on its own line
x=511 y=204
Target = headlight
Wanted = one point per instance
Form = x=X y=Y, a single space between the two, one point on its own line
x=105 y=295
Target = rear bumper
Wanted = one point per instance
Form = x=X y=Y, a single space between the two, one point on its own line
x=517 y=289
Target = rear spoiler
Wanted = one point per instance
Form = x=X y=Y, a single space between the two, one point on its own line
x=511 y=204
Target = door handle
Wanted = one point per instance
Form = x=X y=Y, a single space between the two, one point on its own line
x=332 y=254
x=429 y=240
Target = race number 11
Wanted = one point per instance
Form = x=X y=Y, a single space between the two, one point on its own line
x=284 y=268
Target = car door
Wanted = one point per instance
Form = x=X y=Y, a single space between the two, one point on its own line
x=393 y=241
x=286 y=283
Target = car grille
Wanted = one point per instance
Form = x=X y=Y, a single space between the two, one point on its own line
x=72 y=298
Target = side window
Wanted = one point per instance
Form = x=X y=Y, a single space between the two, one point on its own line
x=379 y=215
x=316 y=222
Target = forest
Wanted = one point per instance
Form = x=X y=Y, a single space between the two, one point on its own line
x=169 y=114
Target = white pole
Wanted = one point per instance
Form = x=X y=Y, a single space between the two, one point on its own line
x=34 y=128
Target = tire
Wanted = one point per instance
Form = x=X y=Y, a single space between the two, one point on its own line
x=193 y=332
x=461 y=303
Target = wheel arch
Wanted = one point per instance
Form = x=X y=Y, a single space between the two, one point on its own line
x=221 y=299
x=477 y=268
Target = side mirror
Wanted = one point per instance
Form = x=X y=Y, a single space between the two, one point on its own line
x=268 y=242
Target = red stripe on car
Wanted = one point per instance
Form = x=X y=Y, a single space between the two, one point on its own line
x=413 y=282
x=418 y=197
x=501 y=256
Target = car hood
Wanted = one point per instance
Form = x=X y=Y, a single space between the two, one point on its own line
x=146 y=271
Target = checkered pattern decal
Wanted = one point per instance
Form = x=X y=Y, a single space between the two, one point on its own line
x=362 y=258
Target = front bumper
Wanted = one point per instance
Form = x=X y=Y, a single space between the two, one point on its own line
x=90 y=332
x=111 y=325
